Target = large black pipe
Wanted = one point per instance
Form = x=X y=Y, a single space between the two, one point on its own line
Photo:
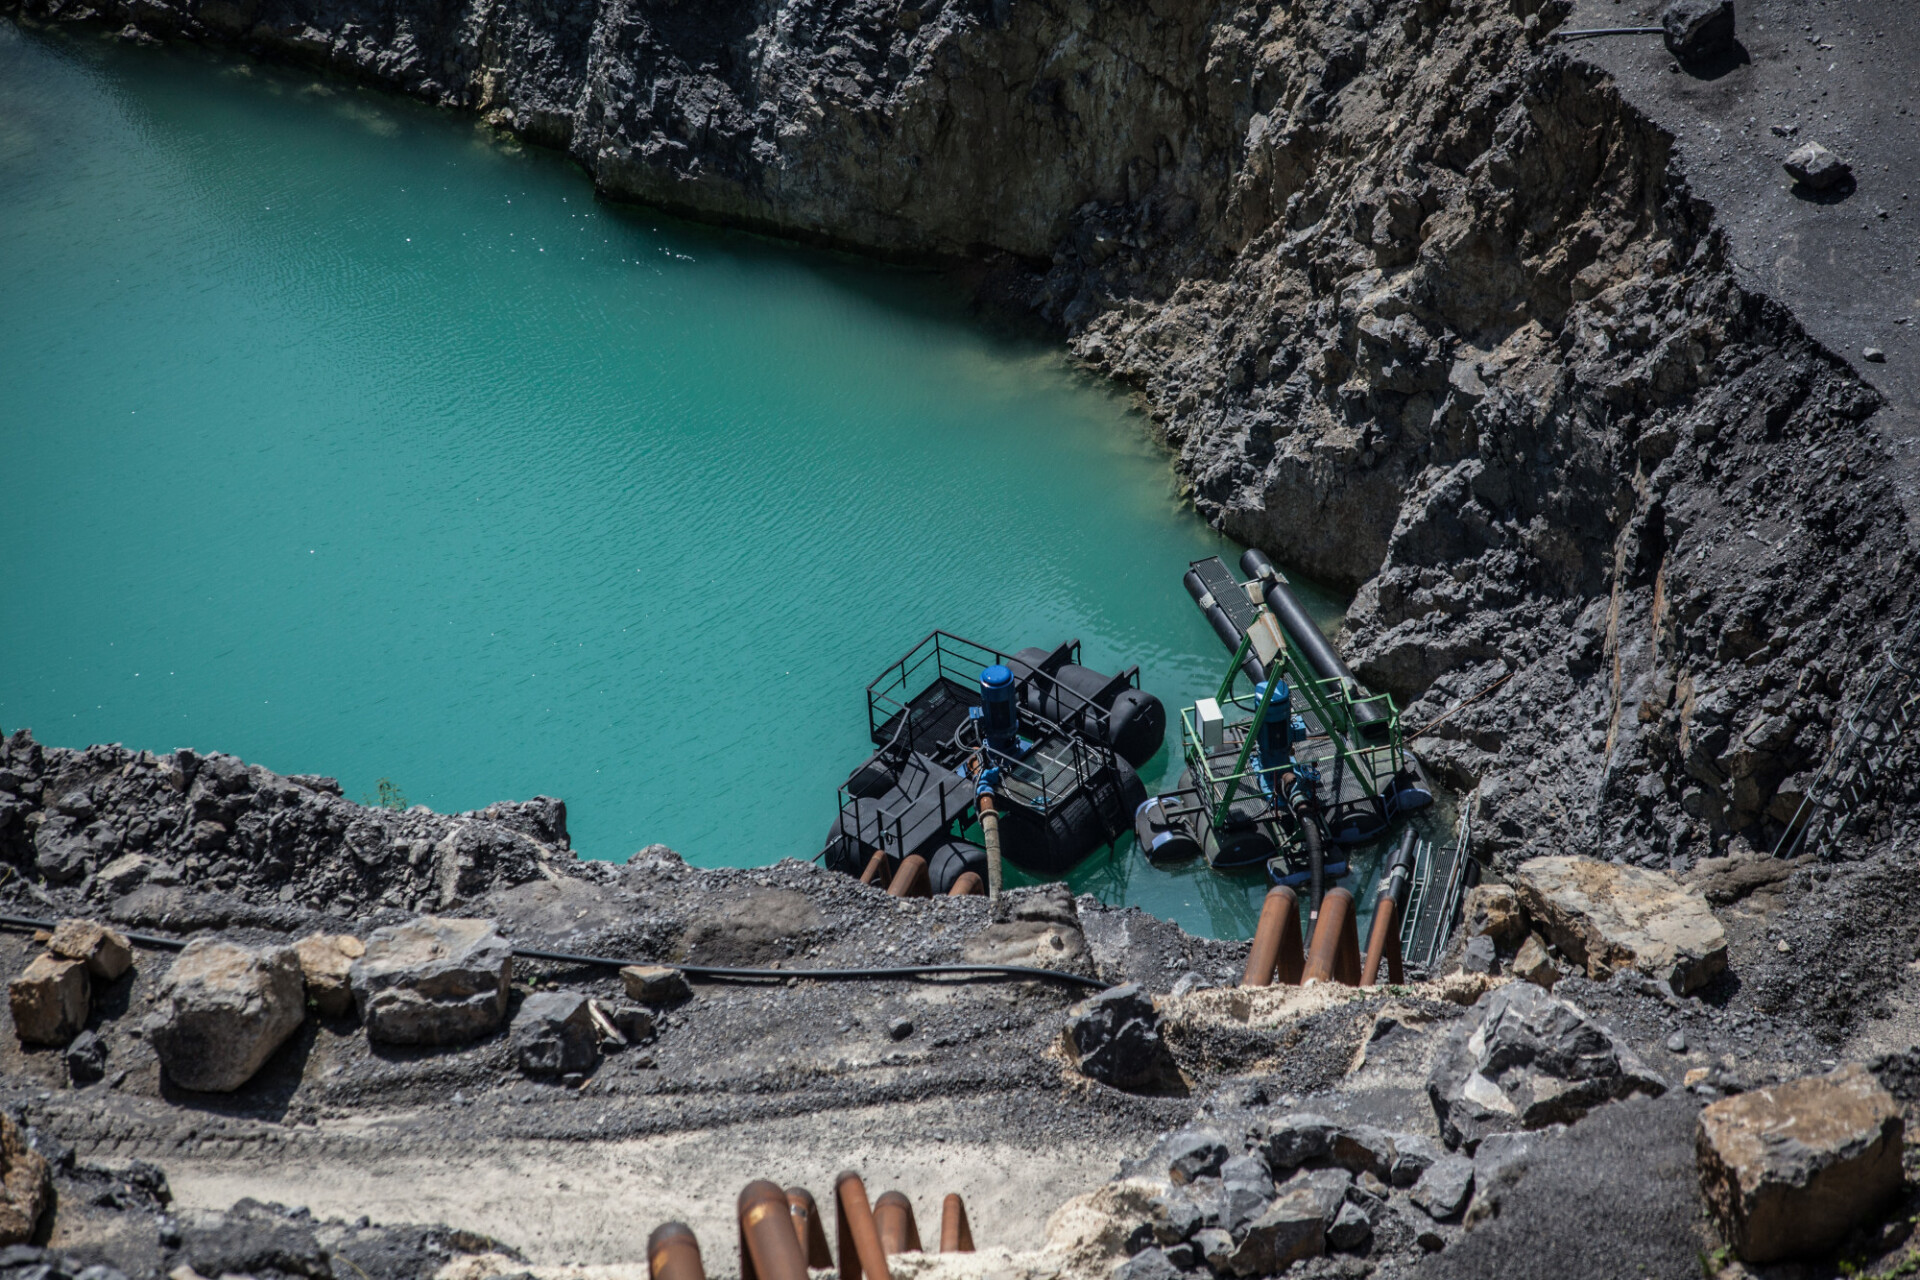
x=1368 y=718
x=1251 y=666
x=1397 y=880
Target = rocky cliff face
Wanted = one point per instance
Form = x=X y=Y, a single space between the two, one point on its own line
x=1420 y=305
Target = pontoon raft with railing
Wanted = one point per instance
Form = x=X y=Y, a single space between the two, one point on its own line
x=1294 y=768
x=1041 y=744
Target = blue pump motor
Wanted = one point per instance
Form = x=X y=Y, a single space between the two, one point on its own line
x=999 y=708
x=1276 y=731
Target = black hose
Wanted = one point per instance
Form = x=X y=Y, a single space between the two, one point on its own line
x=718 y=973
x=148 y=940
x=1316 y=857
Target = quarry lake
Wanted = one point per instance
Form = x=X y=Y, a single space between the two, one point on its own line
x=344 y=436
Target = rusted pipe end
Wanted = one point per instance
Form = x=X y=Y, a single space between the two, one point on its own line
x=674 y=1254
x=1385 y=934
x=1326 y=954
x=893 y=1215
x=876 y=867
x=911 y=881
x=808 y=1228
x=956 y=1233
x=768 y=1248
x=968 y=885
x=1276 y=942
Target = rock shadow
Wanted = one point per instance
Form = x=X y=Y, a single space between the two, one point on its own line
x=1834 y=194
x=268 y=1096
x=1724 y=63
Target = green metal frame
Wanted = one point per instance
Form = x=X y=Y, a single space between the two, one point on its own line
x=1332 y=702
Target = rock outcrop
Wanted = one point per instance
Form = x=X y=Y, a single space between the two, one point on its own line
x=433 y=981
x=1526 y=1060
x=1606 y=916
x=221 y=1012
x=152 y=820
x=1789 y=1170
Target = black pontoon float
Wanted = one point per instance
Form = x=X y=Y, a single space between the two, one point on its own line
x=1054 y=743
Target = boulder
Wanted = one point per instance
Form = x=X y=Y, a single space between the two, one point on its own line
x=1698 y=30
x=1444 y=1189
x=221 y=1012
x=655 y=984
x=432 y=981
x=1607 y=916
x=49 y=1000
x=1294 y=1140
x=1363 y=1149
x=1195 y=1153
x=1352 y=1230
x=553 y=1034
x=1247 y=1173
x=1293 y=1227
x=1327 y=1188
x=1817 y=167
x=25 y=1184
x=1493 y=911
x=1522 y=1059
x=1413 y=1155
x=326 y=963
x=86 y=1058
x=1477 y=956
x=1115 y=1038
x=125 y=874
x=634 y=1022
x=1533 y=963
x=105 y=951
x=1790 y=1170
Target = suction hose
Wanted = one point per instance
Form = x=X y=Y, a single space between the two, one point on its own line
x=1322 y=658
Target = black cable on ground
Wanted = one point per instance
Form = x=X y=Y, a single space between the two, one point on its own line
x=718 y=973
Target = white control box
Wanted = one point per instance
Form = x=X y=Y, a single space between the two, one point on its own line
x=1208 y=720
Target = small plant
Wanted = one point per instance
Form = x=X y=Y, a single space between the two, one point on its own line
x=1712 y=1264
x=390 y=796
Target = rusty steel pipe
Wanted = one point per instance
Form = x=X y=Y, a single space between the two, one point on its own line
x=768 y=1248
x=990 y=834
x=876 y=867
x=1275 y=955
x=911 y=881
x=858 y=1241
x=1383 y=943
x=1334 y=953
x=956 y=1233
x=673 y=1253
x=807 y=1226
x=893 y=1215
x=968 y=884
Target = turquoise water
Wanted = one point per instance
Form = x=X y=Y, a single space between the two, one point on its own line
x=341 y=436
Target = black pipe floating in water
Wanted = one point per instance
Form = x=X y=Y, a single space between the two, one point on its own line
x=1372 y=722
x=1254 y=669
